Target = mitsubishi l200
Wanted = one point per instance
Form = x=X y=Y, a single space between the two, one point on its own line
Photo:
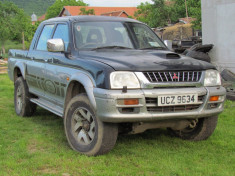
x=110 y=75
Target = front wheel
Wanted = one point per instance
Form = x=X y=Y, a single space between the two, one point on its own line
x=84 y=131
x=199 y=129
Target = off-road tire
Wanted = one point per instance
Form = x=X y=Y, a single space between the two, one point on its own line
x=227 y=75
x=203 y=130
x=23 y=106
x=199 y=56
x=230 y=95
x=105 y=134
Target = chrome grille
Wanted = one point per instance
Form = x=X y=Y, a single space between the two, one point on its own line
x=151 y=104
x=173 y=76
x=182 y=108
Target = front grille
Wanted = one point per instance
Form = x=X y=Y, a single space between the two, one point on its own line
x=173 y=76
x=152 y=106
x=181 y=108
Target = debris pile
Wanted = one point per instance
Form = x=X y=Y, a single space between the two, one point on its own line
x=3 y=66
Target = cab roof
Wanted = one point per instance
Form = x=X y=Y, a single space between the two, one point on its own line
x=91 y=18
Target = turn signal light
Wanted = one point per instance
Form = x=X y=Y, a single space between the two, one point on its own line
x=214 y=98
x=131 y=102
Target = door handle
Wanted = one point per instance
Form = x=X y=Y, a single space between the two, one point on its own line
x=55 y=60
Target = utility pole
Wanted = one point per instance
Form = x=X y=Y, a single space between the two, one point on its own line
x=186 y=9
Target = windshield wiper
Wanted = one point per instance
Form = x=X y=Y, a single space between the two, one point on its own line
x=153 y=47
x=111 y=47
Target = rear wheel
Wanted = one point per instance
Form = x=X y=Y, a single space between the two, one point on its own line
x=23 y=106
x=84 y=131
x=199 y=129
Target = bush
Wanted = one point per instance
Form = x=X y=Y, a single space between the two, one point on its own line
x=11 y=45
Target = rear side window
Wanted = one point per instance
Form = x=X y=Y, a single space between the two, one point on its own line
x=45 y=35
x=62 y=33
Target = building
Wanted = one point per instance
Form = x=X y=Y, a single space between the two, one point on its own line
x=34 y=18
x=99 y=11
x=218 y=28
x=42 y=18
x=121 y=13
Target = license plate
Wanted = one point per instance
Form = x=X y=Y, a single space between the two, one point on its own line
x=171 y=100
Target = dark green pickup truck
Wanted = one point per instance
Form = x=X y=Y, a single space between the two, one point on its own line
x=109 y=75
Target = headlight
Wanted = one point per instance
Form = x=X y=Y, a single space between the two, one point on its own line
x=212 y=78
x=121 y=78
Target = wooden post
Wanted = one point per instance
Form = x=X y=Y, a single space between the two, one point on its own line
x=3 y=49
x=23 y=42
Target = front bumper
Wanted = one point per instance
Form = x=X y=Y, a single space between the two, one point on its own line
x=108 y=110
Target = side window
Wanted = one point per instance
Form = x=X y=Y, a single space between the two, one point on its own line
x=45 y=35
x=62 y=33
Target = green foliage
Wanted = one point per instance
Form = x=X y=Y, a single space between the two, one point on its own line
x=37 y=146
x=159 y=14
x=83 y=11
x=194 y=10
x=55 y=9
x=13 y=23
x=7 y=12
x=39 y=7
x=9 y=44
x=144 y=13
x=29 y=33
x=156 y=14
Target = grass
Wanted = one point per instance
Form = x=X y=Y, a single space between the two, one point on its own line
x=38 y=146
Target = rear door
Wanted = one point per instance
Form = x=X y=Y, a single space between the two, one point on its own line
x=35 y=75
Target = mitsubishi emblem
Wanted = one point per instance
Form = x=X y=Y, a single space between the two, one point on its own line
x=175 y=76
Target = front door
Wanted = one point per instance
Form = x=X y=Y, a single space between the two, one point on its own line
x=55 y=74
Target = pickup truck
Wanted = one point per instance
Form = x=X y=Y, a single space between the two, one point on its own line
x=111 y=75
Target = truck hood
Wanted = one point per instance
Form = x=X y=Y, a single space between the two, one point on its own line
x=137 y=60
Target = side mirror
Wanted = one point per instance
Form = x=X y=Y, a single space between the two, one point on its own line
x=168 y=43
x=55 y=45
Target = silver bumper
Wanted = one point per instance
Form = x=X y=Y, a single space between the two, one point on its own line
x=108 y=109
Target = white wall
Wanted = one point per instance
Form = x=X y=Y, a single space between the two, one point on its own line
x=218 y=28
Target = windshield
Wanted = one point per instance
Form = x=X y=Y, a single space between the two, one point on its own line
x=96 y=35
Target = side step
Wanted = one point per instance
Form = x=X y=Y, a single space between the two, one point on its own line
x=48 y=106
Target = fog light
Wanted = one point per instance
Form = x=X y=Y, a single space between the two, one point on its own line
x=128 y=102
x=131 y=102
x=214 y=98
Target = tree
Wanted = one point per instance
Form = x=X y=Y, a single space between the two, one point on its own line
x=13 y=22
x=55 y=9
x=156 y=14
x=193 y=8
x=144 y=13
x=162 y=12
x=29 y=33
x=83 y=11
x=23 y=24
